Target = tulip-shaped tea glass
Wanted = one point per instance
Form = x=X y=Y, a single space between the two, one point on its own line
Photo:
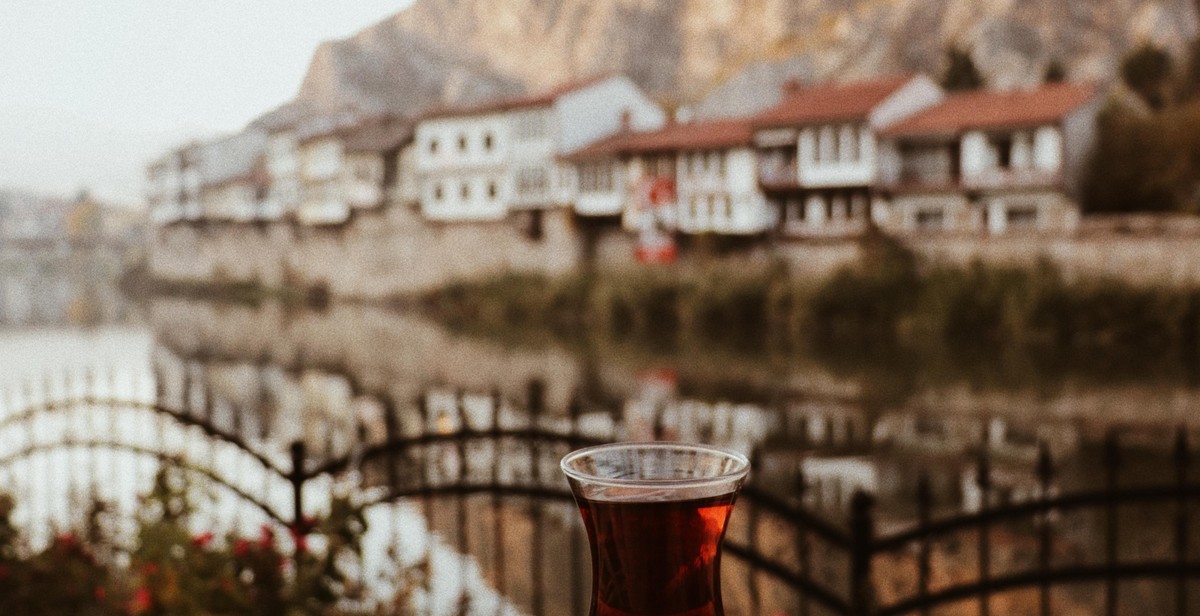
x=655 y=515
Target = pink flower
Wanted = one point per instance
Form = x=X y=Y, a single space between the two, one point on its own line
x=149 y=569
x=267 y=536
x=202 y=540
x=99 y=593
x=142 y=601
x=68 y=540
x=241 y=547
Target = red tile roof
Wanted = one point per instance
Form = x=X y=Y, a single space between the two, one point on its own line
x=690 y=136
x=987 y=110
x=833 y=102
x=541 y=99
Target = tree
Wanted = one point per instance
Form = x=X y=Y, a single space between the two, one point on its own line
x=1144 y=163
x=1147 y=71
x=961 y=73
x=1189 y=86
x=1055 y=72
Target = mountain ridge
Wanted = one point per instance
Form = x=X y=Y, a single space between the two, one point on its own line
x=719 y=57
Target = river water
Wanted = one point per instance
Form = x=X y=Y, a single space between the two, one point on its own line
x=250 y=380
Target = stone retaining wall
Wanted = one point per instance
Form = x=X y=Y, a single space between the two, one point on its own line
x=392 y=252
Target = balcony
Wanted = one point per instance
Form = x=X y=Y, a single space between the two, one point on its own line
x=777 y=175
x=998 y=178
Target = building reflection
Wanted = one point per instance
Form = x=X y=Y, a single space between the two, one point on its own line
x=349 y=379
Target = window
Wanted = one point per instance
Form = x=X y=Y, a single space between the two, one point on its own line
x=693 y=208
x=595 y=177
x=487 y=142
x=728 y=207
x=466 y=191
x=859 y=206
x=534 y=229
x=712 y=207
x=1021 y=216
x=1004 y=147
x=930 y=220
x=532 y=181
x=491 y=190
x=796 y=210
x=462 y=143
x=433 y=146
x=852 y=146
x=437 y=192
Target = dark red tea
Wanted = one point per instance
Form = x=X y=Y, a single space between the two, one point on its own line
x=656 y=558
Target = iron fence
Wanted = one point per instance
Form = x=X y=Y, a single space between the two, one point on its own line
x=470 y=463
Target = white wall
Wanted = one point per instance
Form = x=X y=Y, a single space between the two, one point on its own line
x=476 y=205
x=321 y=159
x=477 y=166
x=1047 y=149
x=1079 y=137
x=447 y=133
x=363 y=176
x=918 y=94
x=726 y=195
x=844 y=170
x=281 y=155
x=407 y=189
x=589 y=113
x=231 y=201
x=602 y=202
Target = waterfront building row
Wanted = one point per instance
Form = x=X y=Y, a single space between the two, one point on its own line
x=829 y=160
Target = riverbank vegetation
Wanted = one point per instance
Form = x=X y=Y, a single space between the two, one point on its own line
x=888 y=315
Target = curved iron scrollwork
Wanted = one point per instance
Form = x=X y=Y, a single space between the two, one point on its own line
x=858 y=542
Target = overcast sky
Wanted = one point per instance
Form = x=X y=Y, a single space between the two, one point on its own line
x=91 y=90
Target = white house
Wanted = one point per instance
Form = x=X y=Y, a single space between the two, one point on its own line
x=696 y=177
x=283 y=172
x=164 y=188
x=282 y=159
x=818 y=149
x=232 y=176
x=173 y=186
x=485 y=161
x=375 y=169
x=994 y=161
x=320 y=154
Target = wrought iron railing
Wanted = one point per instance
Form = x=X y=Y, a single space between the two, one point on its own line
x=862 y=550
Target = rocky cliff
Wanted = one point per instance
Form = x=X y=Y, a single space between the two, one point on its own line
x=720 y=56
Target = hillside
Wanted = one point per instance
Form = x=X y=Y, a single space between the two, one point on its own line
x=721 y=56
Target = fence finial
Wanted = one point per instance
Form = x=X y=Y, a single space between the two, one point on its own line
x=983 y=470
x=1045 y=464
x=862 y=536
x=1182 y=453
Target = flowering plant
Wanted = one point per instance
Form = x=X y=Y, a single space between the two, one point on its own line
x=172 y=570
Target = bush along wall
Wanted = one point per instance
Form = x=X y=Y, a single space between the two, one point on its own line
x=888 y=307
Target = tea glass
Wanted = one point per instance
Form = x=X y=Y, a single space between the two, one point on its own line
x=655 y=514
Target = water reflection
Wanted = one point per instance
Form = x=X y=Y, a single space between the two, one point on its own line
x=352 y=377
x=471 y=515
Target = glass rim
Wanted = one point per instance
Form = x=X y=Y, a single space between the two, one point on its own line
x=743 y=467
